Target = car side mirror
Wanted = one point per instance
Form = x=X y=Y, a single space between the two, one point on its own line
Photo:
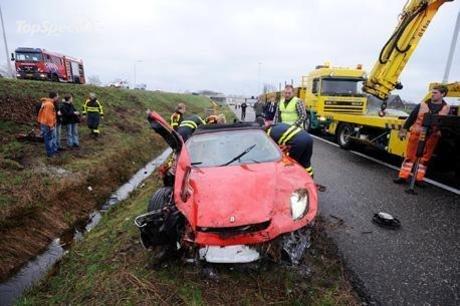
x=12 y=57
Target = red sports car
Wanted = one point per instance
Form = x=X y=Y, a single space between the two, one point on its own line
x=230 y=196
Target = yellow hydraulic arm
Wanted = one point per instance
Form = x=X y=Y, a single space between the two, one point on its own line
x=414 y=20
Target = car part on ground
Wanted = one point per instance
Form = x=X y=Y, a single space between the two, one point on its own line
x=386 y=220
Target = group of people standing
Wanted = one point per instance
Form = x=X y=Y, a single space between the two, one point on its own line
x=54 y=115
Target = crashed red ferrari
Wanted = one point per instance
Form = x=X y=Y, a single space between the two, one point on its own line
x=230 y=196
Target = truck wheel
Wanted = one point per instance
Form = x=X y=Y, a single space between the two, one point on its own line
x=160 y=198
x=343 y=135
x=54 y=78
x=307 y=123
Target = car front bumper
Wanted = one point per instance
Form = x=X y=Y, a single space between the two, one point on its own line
x=229 y=254
x=288 y=247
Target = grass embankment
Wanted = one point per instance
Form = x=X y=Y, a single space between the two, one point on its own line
x=110 y=267
x=41 y=197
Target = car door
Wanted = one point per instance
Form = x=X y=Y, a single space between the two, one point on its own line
x=183 y=191
x=162 y=128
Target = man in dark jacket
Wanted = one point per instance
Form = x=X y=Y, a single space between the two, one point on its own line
x=243 y=110
x=296 y=141
x=189 y=125
x=57 y=130
x=95 y=112
x=70 y=119
x=259 y=112
x=270 y=110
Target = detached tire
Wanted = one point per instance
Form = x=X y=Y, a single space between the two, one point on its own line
x=160 y=199
x=343 y=134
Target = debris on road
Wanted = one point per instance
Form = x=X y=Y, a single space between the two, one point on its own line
x=386 y=220
x=320 y=188
x=295 y=244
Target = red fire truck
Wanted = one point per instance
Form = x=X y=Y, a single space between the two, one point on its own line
x=41 y=64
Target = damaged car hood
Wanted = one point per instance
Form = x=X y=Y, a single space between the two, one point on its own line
x=235 y=195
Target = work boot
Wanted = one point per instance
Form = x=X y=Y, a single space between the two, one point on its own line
x=399 y=181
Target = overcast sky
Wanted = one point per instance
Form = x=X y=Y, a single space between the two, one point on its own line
x=193 y=45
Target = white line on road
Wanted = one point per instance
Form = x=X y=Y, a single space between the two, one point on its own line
x=429 y=181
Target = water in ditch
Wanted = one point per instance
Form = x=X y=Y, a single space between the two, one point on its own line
x=38 y=267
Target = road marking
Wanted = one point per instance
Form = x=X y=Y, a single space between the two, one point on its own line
x=429 y=181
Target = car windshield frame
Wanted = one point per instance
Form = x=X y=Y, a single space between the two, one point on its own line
x=38 y=55
x=357 y=93
x=233 y=143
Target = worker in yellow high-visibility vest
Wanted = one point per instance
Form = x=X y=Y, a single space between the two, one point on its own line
x=290 y=109
x=93 y=108
x=176 y=117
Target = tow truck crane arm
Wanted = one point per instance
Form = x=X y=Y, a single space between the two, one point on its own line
x=414 y=20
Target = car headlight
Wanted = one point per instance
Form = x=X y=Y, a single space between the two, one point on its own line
x=299 y=203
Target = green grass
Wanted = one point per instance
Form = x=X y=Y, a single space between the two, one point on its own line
x=31 y=189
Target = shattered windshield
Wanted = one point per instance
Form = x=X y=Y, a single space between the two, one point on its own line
x=29 y=56
x=218 y=148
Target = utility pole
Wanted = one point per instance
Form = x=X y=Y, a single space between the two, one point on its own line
x=8 y=64
x=453 y=44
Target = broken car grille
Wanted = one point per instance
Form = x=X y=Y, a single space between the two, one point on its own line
x=234 y=230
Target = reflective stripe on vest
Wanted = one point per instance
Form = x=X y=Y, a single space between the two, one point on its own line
x=424 y=108
x=420 y=175
x=291 y=132
x=92 y=109
x=175 y=118
x=406 y=169
x=289 y=113
x=189 y=123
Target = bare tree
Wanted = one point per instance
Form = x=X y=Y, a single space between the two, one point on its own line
x=269 y=88
x=94 y=80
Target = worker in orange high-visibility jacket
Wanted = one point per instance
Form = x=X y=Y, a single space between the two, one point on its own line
x=413 y=124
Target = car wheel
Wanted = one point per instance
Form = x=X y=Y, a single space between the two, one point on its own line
x=343 y=135
x=160 y=198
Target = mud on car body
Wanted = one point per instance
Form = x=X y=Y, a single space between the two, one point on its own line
x=230 y=196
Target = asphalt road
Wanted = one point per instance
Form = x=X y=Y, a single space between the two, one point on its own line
x=250 y=115
x=419 y=264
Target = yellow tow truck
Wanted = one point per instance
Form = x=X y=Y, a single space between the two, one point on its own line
x=337 y=98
